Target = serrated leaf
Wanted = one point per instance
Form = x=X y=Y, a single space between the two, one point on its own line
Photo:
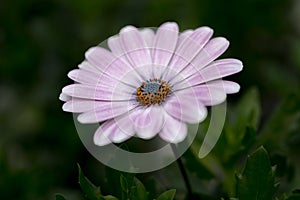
x=59 y=197
x=257 y=181
x=168 y=195
x=91 y=191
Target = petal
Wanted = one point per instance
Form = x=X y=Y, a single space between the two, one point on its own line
x=184 y=106
x=115 y=130
x=190 y=48
x=173 y=131
x=149 y=122
x=109 y=64
x=105 y=110
x=77 y=105
x=182 y=37
x=120 y=92
x=164 y=43
x=115 y=45
x=64 y=97
x=83 y=76
x=92 y=78
x=231 y=87
x=135 y=47
x=212 y=50
x=85 y=65
x=148 y=35
x=216 y=70
x=210 y=93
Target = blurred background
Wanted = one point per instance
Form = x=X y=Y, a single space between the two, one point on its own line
x=41 y=40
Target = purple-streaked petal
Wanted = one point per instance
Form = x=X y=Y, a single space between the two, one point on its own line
x=148 y=35
x=109 y=64
x=173 y=131
x=135 y=47
x=164 y=43
x=149 y=122
x=64 y=97
x=216 y=70
x=91 y=78
x=231 y=87
x=105 y=111
x=99 y=92
x=182 y=37
x=190 y=48
x=184 y=106
x=211 y=51
x=115 y=45
x=85 y=65
x=114 y=130
x=210 y=94
x=83 y=76
x=77 y=105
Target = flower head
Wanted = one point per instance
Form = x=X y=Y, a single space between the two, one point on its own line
x=148 y=83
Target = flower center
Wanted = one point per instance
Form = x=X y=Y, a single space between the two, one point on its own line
x=153 y=91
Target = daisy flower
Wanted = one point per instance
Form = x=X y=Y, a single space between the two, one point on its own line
x=149 y=83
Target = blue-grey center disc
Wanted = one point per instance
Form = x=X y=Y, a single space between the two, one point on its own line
x=151 y=87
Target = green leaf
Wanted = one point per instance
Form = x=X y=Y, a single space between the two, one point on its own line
x=139 y=192
x=109 y=197
x=246 y=114
x=249 y=109
x=257 y=181
x=168 y=195
x=124 y=183
x=127 y=183
x=92 y=192
x=59 y=197
x=195 y=165
x=294 y=197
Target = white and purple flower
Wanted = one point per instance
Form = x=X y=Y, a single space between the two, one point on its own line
x=150 y=83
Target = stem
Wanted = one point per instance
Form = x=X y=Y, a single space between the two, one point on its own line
x=183 y=171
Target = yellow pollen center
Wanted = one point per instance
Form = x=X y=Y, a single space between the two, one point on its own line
x=153 y=91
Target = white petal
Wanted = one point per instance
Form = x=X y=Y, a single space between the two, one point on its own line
x=64 y=97
x=105 y=110
x=77 y=105
x=190 y=48
x=85 y=65
x=173 y=131
x=164 y=43
x=216 y=70
x=109 y=64
x=184 y=106
x=182 y=37
x=113 y=131
x=149 y=121
x=115 y=45
x=135 y=47
x=212 y=50
x=120 y=92
x=148 y=35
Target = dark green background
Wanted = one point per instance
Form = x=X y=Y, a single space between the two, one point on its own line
x=41 y=40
